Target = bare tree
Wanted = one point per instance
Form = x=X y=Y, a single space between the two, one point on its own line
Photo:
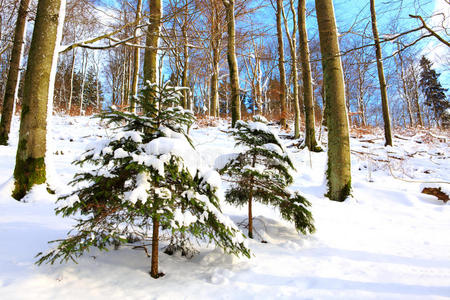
x=338 y=172
x=308 y=92
x=30 y=166
x=381 y=78
x=232 y=62
x=12 y=83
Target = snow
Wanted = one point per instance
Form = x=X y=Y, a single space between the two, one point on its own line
x=140 y=192
x=388 y=241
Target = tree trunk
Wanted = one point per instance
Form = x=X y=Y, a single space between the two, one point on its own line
x=382 y=80
x=232 y=63
x=416 y=95
x=281 y=68
x=310 y=131
x=215 y=83
x=215 y=43
x=38 y=97
x=155 y=250
x=12 y=82
x=152 y=42
x=184 y=78
x=293 y=47
x=72 y=72
x=405 y=90
x=136 y=58
x=83 y=81
x=250 y=214
x=338 y=173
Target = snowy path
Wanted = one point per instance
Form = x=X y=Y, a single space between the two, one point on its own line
x=387 y=242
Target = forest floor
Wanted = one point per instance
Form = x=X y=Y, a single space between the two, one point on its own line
x=388 y=241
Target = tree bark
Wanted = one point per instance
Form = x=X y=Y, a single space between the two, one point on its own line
x=38 y=96
x=294 y=70
x=155 y=250
x=83 y=81
x=232 y=63
x=136 y=58
x=215 y=83
x=405 y=90
x=381 y=78
x=416 y=95
x=152 y=42
x=215 y=43
x=308 y=92
x=184 y=78
x=338 y=173
x=281 y=68
x=72 y=72
x=12 y=82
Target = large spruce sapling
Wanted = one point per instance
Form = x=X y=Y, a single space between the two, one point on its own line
x=144 y=178
x=261 y=172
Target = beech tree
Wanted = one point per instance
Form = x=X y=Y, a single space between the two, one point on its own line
x=381 y=78
x=232 y=62
x=281 y=67
x=292 y=39
x=338 y=172
x=152 y=41
x=12 y=82
x=30 y=166
x=308 y=92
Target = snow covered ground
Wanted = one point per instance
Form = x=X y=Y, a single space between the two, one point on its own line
x=388 y=241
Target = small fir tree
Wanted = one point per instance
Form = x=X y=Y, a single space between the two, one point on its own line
x=261 y=172
x=145 y=178
x=433 y=91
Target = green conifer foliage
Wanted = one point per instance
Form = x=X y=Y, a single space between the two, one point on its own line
x=143 y=179
x=434 y=92
x=261 y=173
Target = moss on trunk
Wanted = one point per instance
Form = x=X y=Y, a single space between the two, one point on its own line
x=30 y=158
x=28 y=173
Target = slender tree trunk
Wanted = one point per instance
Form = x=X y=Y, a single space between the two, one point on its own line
x=215 y=43
x=361 y=110
x=416 y=95
x=128 y=81
x=405 y=90
x=184 y=78
x=281 y=68
x=83 y=81
x=250 y=202
x=155 y=249
x=293 y=47
x=72 y=72
x=338 y=173
x=232 y=63
x=97 y=91
x=215 y=83
x=250 y=213
x=308 y=92
x=12 y=82
x=382 y=80
x=136 y=58
x=152 y=42
x=38 y=96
